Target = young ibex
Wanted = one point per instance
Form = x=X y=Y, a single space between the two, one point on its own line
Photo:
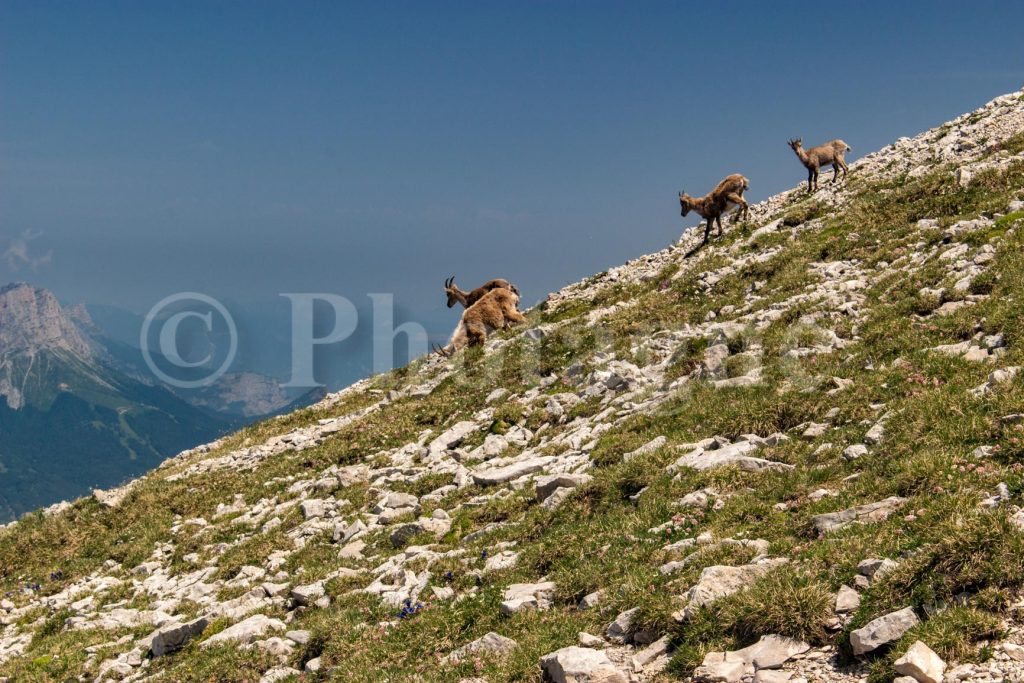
x=711 y=206
x=467 y=299
x=495 y=310
x=813 y=159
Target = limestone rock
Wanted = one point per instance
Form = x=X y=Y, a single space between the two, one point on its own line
x=713 y=366
x=872 y=512
x=733 y=454
x=591 y=600
x=855 y=451
x=580 y=665
x=649 y=447
x=1013 y=650
x=526 y=596
x=718 y=581
x=279 y=673
x=174 y=636
x=847 y=600
x=345 y=532
x=452 y=437
x=620 y=630
x=774 y=676
x=721 y=667
x=814 y=430
x=771 y=652
x=308 y=594
x=875 y=568
x=506 y=559
x=883 y=630
x=921 y=664
x=313 y=508
x=548 y=484
x=491 y=643
x=298 y=637
x=658 y=648
x=557 y=498
x=246 y=631
x=499 y=475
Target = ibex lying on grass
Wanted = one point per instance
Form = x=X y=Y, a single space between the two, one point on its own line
x=495 y=310
x=711 y=206
x=813 y=159
x=467 y=299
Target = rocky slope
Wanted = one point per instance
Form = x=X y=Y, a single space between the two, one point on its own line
x=794 y=454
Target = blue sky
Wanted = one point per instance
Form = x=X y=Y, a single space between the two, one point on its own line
x=244 y=149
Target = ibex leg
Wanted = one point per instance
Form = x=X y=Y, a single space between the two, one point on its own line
x=741 y=204
x=477 y=333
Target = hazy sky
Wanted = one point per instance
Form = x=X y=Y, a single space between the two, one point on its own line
x=244 y=149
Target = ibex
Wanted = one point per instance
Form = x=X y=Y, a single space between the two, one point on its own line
x=711 y=206
x=813 y=159
x=495 y=310
x=467 y=299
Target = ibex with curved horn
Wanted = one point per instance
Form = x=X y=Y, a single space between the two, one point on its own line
x=495 y=310
x=813 y=159
x=711 y=206
x=467 y=299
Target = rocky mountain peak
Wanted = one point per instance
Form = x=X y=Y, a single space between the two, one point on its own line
x=32 y=319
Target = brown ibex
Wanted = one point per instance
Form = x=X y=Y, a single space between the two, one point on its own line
x=495 y=310
x=711 y=206
x=813 y=159
x=467 y=299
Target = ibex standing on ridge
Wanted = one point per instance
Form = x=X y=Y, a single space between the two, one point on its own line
x=495 y=310
x=813 y=159
x=711 y=206
x=467 y=299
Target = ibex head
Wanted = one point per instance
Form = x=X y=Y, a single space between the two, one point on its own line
x=452 y=291
x=684 y=204
x=795 y=143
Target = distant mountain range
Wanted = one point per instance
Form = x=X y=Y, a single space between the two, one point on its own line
x=79 y=409
x=264 y=344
